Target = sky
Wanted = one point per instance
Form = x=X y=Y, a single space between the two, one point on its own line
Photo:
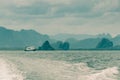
x=62 y=16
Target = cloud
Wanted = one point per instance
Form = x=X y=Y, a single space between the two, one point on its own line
x=33 y=9
x=61 y=8
x=106 y=5
x=60 y=16
x=38 y=7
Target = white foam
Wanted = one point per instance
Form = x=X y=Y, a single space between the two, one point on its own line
x=60 y=70
x=8 y=71
x=106 y=74
x=81 y=71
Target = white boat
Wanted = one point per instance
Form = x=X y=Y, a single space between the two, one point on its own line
x=30 y=48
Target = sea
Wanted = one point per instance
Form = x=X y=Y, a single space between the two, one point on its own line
x=60 y=65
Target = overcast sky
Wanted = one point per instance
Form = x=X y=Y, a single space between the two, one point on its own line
x=62 y=16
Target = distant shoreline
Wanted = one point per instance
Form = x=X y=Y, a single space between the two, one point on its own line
x=64 y=50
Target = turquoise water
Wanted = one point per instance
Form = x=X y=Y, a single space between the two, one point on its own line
x=65 y=65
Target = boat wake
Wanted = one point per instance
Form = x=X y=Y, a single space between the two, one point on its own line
x=43 y=69
x=60 y=70
x=82 y=72
x=8 y=71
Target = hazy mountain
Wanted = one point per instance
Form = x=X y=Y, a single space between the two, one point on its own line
x=116 y=40
x=84 y=44
x=20 y=39
x=64 y=37
x=10 y=39
x=105 y=44
x=59 y=45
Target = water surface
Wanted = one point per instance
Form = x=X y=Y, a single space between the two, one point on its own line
x=60 y=65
